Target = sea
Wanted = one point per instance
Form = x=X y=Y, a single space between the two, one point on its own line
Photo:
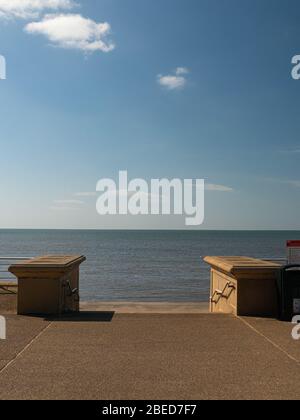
x=144 y=266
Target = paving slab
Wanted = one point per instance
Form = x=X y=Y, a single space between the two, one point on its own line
x=279 y=333
x=151 y=356
x=20 y=332
x=8 y=303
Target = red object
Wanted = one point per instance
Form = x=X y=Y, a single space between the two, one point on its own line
x=293 y=244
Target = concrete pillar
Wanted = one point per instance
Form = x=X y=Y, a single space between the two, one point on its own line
x=48 y=285
x=244 y=286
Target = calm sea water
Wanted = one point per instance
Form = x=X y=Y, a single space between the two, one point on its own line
x=145 y=265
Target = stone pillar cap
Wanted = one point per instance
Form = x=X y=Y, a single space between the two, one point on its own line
x=48 y=262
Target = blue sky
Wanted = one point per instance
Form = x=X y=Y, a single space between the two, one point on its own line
x=72 y=114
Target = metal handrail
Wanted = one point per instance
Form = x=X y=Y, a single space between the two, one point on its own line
x=221 y=293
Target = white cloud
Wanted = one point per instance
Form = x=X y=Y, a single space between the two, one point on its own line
x=174 y=81
x=25 y=9
x=182 y=70
x=73 y=31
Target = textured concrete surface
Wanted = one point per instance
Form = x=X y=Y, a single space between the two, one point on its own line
x=278 y=333
x=20 y=332
x=149 y=356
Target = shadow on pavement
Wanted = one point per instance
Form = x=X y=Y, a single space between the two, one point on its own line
x=85 y=316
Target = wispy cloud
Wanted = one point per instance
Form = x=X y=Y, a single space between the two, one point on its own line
x=128 y=194
x=64 y=208
x=219 y=188
x=67 y=205
x=181 y=70
x=85 y=194
x=69 y=202
x=290 y=151
x=293 y=183
x=26 y=9
x=212 y=187
x=73 y=31
x=174 y=81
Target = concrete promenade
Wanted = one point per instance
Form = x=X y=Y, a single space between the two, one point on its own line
x=148 y=354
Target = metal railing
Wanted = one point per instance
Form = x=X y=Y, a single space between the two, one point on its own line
x=222 y=293
x=5 y=262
